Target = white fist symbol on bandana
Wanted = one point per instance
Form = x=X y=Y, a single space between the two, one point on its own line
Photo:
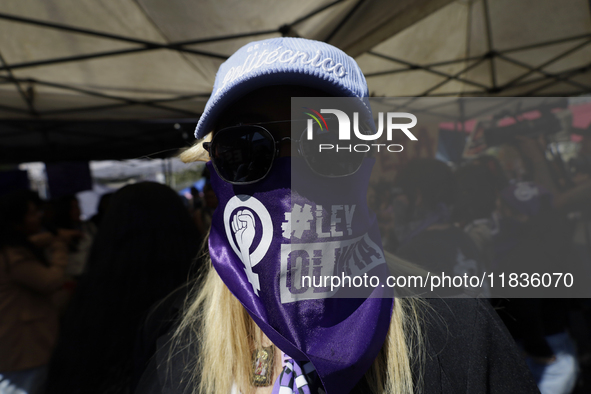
x=243 y=227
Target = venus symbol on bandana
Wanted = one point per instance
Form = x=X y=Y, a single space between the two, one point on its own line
x=243 y=226
x=243 y=231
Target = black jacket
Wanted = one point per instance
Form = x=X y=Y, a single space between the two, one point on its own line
x=468 y=350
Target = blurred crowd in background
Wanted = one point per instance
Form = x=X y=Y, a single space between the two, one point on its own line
x=505 y=212
x=88 y=286
x=96 y=280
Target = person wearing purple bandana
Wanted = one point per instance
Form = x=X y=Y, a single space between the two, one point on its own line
x=249 y=327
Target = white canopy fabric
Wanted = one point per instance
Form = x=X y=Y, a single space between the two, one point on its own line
x=108 y=60
x=113 y=59
x=488 y=48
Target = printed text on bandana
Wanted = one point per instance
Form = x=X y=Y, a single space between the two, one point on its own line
x=352 y=257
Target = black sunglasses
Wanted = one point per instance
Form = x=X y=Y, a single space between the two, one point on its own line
x=244 y=154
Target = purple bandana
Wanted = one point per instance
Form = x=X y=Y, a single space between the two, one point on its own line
x=265 y=237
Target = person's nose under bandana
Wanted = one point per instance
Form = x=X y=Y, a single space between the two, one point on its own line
x=274 y=242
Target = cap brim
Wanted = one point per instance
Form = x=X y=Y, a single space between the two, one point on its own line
x=219 y=104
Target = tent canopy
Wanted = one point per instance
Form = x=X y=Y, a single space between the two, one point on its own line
x=103 y=79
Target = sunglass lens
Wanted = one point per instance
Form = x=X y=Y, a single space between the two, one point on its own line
x=242 y=154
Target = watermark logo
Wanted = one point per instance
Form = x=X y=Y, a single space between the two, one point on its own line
x=347 y=130
x=316 y=119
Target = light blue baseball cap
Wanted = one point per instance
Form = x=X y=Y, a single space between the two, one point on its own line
x=283 y=61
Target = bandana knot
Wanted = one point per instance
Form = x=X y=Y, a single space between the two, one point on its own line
x=297 y=379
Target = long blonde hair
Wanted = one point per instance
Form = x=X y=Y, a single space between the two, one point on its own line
x=227 y=336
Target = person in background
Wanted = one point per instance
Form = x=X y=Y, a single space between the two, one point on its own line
x=476 y=203
x=67 y=218
x=534 y=235
x=143 y=251
x=102 y=207
x=203 y=214
x=32 y=269
x=563 y=228
x=204 y=205
x=424 y=227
